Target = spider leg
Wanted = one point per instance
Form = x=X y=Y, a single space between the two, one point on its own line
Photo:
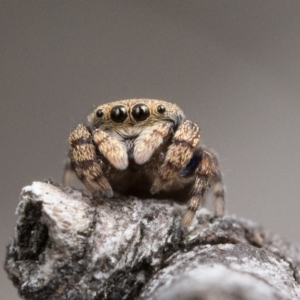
x=68 y=174
x=208 y=176
x=149 y=140
x=84 y=161
x=178 y=155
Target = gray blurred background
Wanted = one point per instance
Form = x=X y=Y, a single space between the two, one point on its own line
x=233 y=66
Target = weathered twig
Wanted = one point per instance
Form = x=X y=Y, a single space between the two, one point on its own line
x=69 y=245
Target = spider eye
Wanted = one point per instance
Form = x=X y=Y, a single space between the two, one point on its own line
x=140 y=112
x=99 y=113
x=118 y=113
x=161 y=109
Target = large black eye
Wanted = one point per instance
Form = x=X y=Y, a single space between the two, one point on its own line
x=140 y=112
x=118 y=113
x=99 y=113
x=161 y=109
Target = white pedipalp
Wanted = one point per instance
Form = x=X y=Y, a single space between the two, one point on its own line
x=149 y=140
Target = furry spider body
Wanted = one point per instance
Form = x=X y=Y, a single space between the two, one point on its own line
x=143 y=147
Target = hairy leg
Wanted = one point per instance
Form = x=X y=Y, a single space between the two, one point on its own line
x=208 y=176
x=84 y=161
x=178 y=155
x=68 y=174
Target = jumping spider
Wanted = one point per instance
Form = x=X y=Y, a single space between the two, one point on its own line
x=141 y=147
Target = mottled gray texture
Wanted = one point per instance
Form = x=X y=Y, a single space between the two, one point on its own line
x=69 y=245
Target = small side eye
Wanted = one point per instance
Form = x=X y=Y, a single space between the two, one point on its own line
x=161 y=109
x=140 y=112
x=99 y=113
x=118 y=113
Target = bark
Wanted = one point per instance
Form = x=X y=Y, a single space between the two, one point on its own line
x=70 y=245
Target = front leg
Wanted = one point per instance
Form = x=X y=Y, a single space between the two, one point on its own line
x=178 y=155
x=208 y=175
x=84 y=161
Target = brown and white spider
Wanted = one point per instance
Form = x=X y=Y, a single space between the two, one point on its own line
x=143 y=147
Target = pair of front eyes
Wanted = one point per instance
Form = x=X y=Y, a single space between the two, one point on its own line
x=139 y=112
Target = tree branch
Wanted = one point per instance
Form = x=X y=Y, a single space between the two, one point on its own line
x=69 y=245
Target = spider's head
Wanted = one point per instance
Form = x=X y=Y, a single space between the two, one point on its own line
x=131 y=116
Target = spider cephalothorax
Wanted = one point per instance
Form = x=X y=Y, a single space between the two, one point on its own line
x=142 y=147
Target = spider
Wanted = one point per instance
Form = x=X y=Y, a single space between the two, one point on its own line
x=143 y=147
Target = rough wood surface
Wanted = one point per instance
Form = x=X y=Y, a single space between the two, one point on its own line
x=69 y=245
